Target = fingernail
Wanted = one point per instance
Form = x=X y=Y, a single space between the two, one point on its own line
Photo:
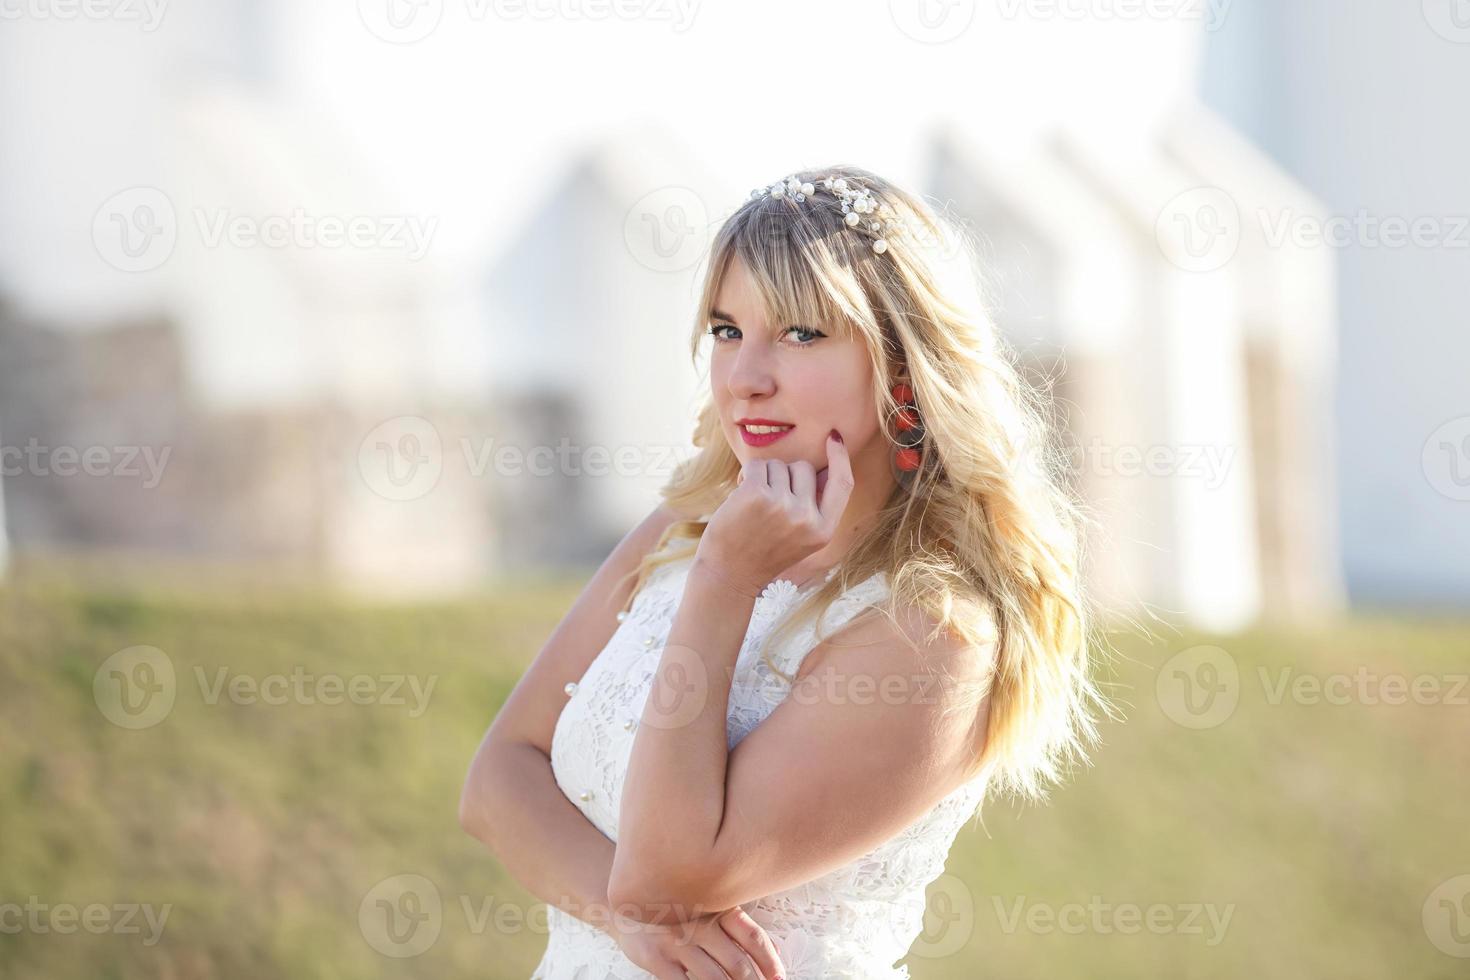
x=836 y=435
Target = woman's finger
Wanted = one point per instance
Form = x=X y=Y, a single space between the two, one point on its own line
x=726 y=952
x=838 y=487
x=669 y=971
x=803 y=481
x=778 y=476
x=745 y=931
x=701 y=966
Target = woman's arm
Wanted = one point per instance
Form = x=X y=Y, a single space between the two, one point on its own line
x=674 y=795
x=513 y=805
x=511 y=800
x=880 y=734
x=674 y=798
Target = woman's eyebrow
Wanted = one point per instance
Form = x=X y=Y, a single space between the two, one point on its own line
x=717 y=315
x=727 y=318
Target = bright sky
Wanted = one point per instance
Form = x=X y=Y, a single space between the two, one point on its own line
x=468 y=122
x=476 y=113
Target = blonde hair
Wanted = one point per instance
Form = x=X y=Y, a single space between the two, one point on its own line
x=987 y=539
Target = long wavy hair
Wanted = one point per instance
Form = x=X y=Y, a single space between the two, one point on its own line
x=987 y=538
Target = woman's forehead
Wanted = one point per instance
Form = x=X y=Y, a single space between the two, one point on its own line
x=739 y=297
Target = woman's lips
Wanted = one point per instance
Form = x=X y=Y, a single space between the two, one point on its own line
x=762 y=438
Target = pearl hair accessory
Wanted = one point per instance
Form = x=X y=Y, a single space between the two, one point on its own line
x=856 y=202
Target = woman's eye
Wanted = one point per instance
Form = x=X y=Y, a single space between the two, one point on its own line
x=715 y=329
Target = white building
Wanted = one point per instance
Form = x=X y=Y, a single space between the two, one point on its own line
x=1195 y=381
x=593 y=296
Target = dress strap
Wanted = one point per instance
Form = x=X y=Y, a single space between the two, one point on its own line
x=842 y=610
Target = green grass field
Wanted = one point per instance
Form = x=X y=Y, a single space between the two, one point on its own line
x=1291 y=837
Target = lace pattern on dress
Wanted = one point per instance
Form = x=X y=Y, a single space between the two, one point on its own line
x=855 y=921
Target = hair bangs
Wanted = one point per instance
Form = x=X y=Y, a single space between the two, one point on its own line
x=801 y=279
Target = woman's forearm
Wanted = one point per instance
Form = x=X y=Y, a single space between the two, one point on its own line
x=514 y=805
x=674 y=795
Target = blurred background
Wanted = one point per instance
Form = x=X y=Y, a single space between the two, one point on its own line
x=340 y=341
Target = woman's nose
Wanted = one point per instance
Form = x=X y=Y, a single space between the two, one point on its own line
x=751 y=376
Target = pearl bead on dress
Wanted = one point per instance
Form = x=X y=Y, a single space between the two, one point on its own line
x=571 y=688
x=585 y=795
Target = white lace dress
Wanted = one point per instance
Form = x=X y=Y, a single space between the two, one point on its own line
x=856 y=921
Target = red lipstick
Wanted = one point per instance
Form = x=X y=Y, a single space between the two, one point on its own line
x=762 y=438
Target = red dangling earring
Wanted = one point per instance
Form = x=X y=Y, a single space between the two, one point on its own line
x=910 y=433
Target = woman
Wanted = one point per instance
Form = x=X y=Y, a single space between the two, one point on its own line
x=856 y=614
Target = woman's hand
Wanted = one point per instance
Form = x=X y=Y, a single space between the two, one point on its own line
x=779 y=514
x=707 y=947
